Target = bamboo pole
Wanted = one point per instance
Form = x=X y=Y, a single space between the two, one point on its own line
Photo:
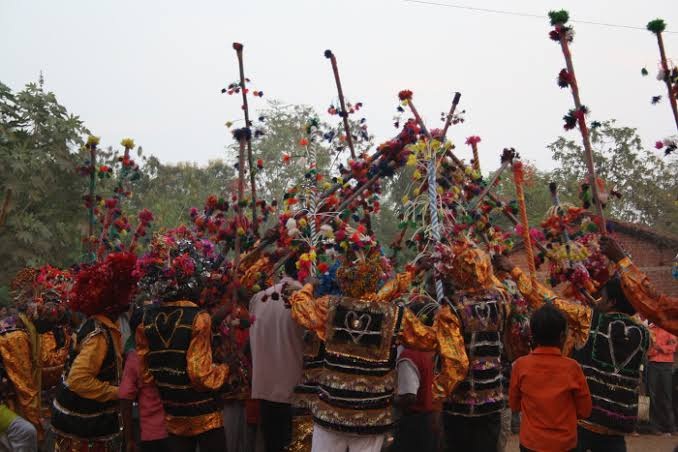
x=518 y=180
x=250 y=159
x=342 y=103
x=241 y=192
x=476 y=159
x=667 y=78
x=583 y=128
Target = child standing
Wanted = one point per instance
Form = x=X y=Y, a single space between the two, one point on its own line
x=548 y=388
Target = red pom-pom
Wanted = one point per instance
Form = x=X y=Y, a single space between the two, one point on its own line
x=473 y=139
x=405 y=94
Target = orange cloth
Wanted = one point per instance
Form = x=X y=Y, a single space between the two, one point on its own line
x=204 y=374
x=551 y=392
x=15 y=349
x=52 y=359
x=656 y=307
x=578 y=315
x=82 y=377
x=664 y=345
x=444 y=336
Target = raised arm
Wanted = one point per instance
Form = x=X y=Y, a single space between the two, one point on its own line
x=309 y=312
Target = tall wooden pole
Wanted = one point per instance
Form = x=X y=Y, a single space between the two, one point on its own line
x=250 y=159
x=518 y=180
x=242 y=140
x=564 y=37
x=342 y=103
x=657 y=27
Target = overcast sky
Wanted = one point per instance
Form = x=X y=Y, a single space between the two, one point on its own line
x=153 y=70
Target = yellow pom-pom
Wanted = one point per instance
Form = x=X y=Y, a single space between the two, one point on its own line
x=127 y=143
x=92 y=140
x=406 y=199
x=416 y=175
x=416 y=192
x=411 y=160
x=241 y=231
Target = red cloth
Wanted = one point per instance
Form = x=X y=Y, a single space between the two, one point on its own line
x=552 y=393
x=663 y=345
x=151 y=412
x=424 y=364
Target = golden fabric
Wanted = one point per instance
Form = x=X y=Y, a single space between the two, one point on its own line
x=444 y=336
x=309 y=312
x=204 y=374
x=15 y=349
x=82 y=376
x=657 y=307
x=52 y=359
x=302 y=434
x=193 y=425
x=578 y=315
x=63 y=443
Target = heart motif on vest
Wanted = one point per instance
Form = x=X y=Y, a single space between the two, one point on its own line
x=357 y=326
x=166 y=325
x=624 y=342
x=483 y=311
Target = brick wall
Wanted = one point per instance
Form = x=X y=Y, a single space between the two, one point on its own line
x=655 y=261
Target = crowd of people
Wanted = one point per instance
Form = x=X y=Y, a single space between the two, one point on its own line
x=358 y=359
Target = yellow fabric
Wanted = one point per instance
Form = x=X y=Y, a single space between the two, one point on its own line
x=52 y=359
x=656 y=307
x=578 y=315
x=444 y=336
x=15 y=349
x=82 y=377
x=204 y=374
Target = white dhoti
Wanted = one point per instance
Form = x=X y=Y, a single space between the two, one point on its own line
x=325 y=440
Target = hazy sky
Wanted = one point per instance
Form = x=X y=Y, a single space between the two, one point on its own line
x=153 y=70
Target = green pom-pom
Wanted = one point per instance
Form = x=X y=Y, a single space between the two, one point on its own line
x=559 y=17
x=644 y=72
x=656 y=26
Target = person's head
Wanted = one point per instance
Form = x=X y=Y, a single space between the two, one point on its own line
x=465 y=266
x=548 y=327
x=612 y=298
x=359 y=277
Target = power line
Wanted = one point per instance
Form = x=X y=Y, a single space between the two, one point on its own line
x=534 y=16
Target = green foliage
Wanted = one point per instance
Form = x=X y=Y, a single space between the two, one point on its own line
x=39 y=148
x=647 y=183
x=559 y=17
x=656 y=26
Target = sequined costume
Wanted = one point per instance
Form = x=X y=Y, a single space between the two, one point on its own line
x=656 y=307
x=18 y=347
x=360 y=335
x=85 y=412
x=175 y=351
x=610 y=347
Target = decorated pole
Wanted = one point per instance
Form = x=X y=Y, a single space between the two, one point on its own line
x=250 y=159
x=657 y=26
x=92 y=143
x=518 y=180
x=506 y=160
x=406 y=96
x=342 y=103
x=564 y=35
x=242 y=136
x=473 y=142
x=450 y=115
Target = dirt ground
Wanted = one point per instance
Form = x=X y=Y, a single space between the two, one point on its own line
x=643 y=443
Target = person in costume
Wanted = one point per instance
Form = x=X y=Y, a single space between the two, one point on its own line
x=472 y=413
x=611 y=346
x=360 y=330
x=174 y=344
x=658 y=308
x=85 y=412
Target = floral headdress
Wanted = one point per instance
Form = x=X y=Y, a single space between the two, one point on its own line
x=463 y=264
x=105 y=287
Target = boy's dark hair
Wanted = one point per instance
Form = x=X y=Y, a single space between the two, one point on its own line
x=615 y=293
x=547 y=325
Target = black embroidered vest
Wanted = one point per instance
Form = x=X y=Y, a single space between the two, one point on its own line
x=482 y=317
x=73 y=415
x=168 y=330
x=356 y=385
x=611 y=360
x=306 y=392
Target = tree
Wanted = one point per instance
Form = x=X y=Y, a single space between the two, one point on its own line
x=39 y=146
x=646 y=183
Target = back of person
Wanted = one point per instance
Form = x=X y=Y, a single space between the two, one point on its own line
x=549 y=389
x=277 y=344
